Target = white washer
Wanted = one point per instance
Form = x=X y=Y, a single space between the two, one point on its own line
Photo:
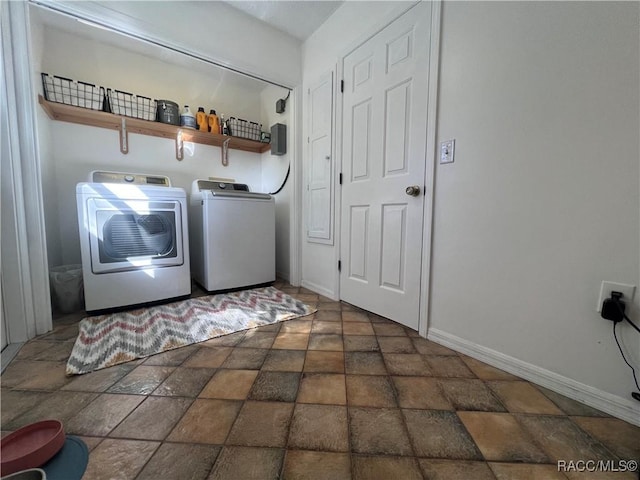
x=232 y=234
x=133 y=240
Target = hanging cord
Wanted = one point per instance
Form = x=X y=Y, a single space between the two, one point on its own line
x=635 y=395
x=625 y=358
x=286 y=177
x=281 y=105
x=287 y=97
x=624 y=315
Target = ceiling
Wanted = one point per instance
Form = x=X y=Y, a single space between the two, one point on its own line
x=297 y=18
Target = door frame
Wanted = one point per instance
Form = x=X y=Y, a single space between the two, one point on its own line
x=431 y=151
x=25 y=278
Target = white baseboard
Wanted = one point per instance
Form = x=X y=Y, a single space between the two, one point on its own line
x=8 y=354
x=614 y=405
x=320 y=290
x=282 y=276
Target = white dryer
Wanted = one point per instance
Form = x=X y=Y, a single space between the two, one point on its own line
x=133 y=240
x=233 y=236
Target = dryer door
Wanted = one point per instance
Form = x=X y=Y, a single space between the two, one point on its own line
x=134 y=234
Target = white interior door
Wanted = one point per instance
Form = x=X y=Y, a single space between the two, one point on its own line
x=384 y=136
x=319 y=185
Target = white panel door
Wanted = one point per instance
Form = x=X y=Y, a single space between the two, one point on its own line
x=319 y=183
x=383 y=153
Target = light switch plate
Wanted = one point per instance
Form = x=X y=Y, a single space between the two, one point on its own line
x=447 y=149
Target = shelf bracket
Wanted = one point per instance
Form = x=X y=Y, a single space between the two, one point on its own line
x=124 y=137
x=225 y=152
x=179 y=146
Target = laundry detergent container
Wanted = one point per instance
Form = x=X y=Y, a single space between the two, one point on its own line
x=67 y=292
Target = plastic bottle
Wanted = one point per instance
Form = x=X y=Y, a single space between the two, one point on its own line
x=201 y=120
x=187 y=119
x=214 y=123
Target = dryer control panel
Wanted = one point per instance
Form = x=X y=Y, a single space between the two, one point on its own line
x=99 y=176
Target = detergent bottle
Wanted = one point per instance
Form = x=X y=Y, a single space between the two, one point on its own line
x=201 y=120
x=214 y=123
x=187 y=119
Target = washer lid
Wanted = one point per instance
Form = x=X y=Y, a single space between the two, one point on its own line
x=99 y=176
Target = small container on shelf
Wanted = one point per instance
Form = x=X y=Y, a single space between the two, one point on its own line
x=214 y=122
x=69 y=92
x=188 y=119
x=201 y=120
x=167 y=112
x=224 y=130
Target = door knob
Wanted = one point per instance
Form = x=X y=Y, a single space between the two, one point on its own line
x=413 y=190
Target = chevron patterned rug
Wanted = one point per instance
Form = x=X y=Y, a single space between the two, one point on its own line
x=107 y=340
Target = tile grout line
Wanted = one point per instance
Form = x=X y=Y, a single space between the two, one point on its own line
x=346 y=398
x=295 y=403
x=414 y=457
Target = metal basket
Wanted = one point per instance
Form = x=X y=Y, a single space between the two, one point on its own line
x=129 y=105
x=69 y=92
x=243 y=129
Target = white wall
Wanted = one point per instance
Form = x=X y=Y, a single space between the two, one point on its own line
x=542 y=202
x=274 y=170
x=81 y=58
x=211 y=29
x=348 y=27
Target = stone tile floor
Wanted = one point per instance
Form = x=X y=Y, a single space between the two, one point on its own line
x=335 y=395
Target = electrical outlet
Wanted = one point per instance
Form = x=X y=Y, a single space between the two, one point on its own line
x=607 y=287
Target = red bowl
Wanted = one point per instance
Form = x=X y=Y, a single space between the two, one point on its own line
x=30 y=446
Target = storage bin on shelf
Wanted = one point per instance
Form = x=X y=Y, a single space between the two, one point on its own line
x=70 y=92
x=243 y=129
x=129 y=105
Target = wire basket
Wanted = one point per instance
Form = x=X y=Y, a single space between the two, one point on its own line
x=129 y=105
x=243 y=129
x=69 y=92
